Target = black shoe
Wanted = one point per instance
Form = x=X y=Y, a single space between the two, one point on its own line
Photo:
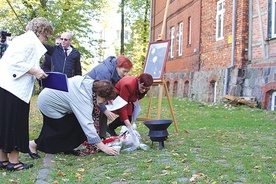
x=73 y=152
x=111 y=131
x=18 y=166
x=34 y=155
x=3 y=164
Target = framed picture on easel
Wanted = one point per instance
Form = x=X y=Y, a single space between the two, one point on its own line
x=156 y=59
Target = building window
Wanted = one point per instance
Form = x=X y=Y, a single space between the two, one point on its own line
x=118 y=34
x=189 y=40
x=273 y=19
x=127 y=35
x=220 y=19
x=180 y=38
x=172 y=42
x=175 y=84
x=273 y=101
x=212 y=92
x=186 y=89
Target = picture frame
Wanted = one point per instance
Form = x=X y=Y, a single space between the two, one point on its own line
x=157 y=56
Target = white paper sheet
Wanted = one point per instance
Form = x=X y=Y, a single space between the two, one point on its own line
x=136 y=111
x=116 y=104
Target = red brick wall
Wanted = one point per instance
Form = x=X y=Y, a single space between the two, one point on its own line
x=179 y=11
x=217 y=54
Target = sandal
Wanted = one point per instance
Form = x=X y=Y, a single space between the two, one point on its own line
x=33 y=155
x=3 y=165
x=18 y=166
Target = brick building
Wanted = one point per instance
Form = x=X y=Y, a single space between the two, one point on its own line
x=216 y=48
x=260 y=74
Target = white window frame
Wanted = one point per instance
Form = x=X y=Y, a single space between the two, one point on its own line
x=215 y=91
x=172 y=41
x=189 y=42
x=273 y=19
x=273 y=101
x=220 y=19
x=180 y=38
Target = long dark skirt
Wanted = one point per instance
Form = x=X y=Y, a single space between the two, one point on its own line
x=14 y=123
x=60 y=135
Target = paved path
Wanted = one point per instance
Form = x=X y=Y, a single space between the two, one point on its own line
x=43 y=173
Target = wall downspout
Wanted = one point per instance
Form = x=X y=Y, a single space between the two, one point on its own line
x=151 y=21
x=227 y=71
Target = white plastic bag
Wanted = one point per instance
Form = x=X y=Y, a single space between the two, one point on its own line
x=131 y=140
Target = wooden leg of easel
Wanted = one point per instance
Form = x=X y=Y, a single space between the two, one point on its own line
x=159 y=101
x=170 y=104
x=150 y=102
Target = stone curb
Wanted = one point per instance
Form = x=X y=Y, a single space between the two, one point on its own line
x=43 y=173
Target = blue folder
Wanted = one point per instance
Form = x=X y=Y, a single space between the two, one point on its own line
x=55 y=80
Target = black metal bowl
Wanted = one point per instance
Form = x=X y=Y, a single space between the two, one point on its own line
x=162 y=124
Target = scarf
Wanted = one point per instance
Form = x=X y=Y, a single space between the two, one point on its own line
x=96 y=113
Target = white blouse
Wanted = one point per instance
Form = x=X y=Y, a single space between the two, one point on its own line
x=23 y=53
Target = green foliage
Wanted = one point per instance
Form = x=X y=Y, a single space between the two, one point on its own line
x=79 y=17
x=65 y=15
x=138 y=19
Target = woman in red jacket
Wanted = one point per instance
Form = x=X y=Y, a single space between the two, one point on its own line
x=131 y=89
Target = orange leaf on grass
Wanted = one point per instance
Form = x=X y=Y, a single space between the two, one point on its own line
x=60 y=173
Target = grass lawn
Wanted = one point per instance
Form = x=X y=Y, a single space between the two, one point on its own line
x=215 y=144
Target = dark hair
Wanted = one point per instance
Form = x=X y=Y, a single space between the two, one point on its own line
x=104 y=89
x=123 y=61
x=145 y=79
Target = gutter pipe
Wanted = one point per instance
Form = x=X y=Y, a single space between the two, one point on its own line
x=227 y=71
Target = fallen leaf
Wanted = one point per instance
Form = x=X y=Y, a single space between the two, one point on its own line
x=12 y=181
x=81 y=170
x=79 y=176
x=126 y=174
x=186 y=131
x=256 y=167
x=186 y=169
x=184 y=160
x=164 y=174
x=148 y=161
x=60 y=173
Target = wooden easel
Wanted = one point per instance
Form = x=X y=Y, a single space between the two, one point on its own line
x=160 y=84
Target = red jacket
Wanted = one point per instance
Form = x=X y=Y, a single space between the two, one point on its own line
x=128 y=89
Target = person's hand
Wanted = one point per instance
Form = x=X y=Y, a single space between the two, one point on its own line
x=38 y=73
x=110 y=102
x=41 y=74
x=127 y=123
x=108 y=150
x=110 y=115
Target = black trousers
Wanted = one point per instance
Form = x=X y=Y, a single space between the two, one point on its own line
x=102 y=125
x=117 y=122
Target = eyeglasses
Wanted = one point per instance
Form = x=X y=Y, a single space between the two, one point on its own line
x=142 y=87
x=65 y=39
